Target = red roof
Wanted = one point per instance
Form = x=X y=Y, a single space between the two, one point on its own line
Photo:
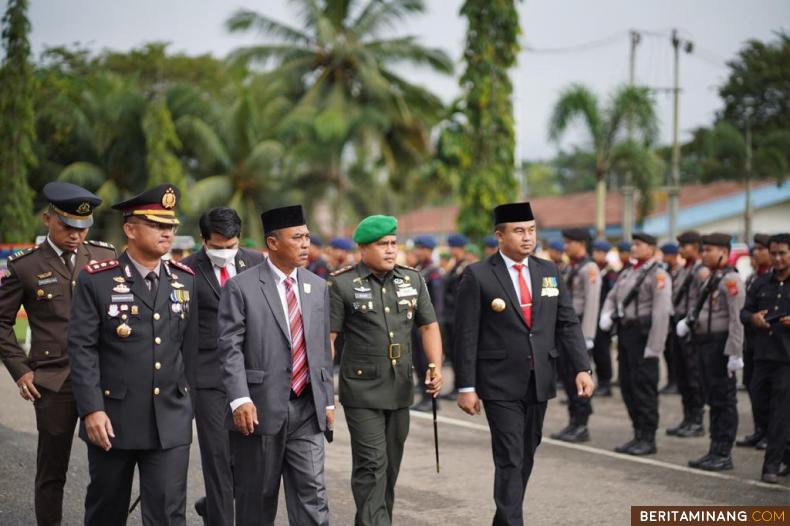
x=570 y=210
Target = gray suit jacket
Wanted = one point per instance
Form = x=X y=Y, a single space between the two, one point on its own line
x=254 y=344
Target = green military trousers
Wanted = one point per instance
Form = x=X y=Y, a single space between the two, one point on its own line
x=377 y=440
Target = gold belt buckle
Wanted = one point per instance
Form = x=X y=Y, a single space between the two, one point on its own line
x=391 y=351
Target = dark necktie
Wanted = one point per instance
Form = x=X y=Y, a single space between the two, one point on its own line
x=151 y=281
x=66 y=256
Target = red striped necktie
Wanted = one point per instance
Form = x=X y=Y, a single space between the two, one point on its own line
x=298 y=346
x=524 y=295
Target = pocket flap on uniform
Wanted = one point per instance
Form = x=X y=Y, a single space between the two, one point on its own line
x=491 y=354
x=45 y=352
x=116 y=392
x=554 y=353
x=362 y=372
x=183 y=388
x=254 y=376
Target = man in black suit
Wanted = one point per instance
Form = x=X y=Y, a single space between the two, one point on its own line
x=513 y=311
x=218 y=261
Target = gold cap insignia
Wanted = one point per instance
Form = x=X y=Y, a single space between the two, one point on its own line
x=84 y=209
x=169 y=199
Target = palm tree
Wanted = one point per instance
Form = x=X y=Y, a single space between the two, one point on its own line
x=351 y=101
x=605 y=127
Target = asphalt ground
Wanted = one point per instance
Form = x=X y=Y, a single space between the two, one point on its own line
x=571 y=484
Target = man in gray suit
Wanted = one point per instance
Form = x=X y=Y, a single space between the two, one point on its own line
x=273 y=340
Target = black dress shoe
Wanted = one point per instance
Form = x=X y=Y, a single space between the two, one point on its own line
x=558 y=435
x=200 y=506
x=762 y=445
x=691 y=429
x=669 y=389
x=750 y=440
x=625 y=447
x=673 y=431
x=698 y=461
x=770 y=478
x=603 y=390
x=423 y=406
x=578 y=433
x=716 y=463
x=642 y=447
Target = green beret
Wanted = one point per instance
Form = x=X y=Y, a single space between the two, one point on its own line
x=373 y=228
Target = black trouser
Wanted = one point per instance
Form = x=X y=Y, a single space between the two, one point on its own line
x=671 y=354
x=211 y=406
x=163 y=485
x=516 y=430
x=689 y=381
x=759 y=402
x=419 y=360
x=720 y=390
x=638 y=378
x=771 y=382
x=56 y=417
x=602 y=356
x=579 y=409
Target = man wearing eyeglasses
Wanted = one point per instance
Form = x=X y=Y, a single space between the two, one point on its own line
x=42 y=279
x=132 y=339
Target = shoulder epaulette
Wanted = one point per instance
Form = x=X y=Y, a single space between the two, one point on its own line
x=22 y=253
x=406 y=267
x=99 y=266
x=102 y=244
x=181 y=266
x=341 y=270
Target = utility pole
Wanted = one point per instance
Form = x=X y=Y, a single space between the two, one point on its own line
x=674 y=187
x=628 y=187
x=748 y=213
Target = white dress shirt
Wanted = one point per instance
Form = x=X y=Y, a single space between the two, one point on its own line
x=279 y=278
x=514 y=278
x=231 y=266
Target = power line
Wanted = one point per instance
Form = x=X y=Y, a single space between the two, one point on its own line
x=578 y=47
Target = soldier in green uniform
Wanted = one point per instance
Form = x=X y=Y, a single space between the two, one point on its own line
x=375 y=304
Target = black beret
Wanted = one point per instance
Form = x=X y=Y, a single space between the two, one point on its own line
x=689 y=237
x=576 y=234
x=157 y=204
x=71 y=203
x=762 y=239
x=717 y=239
x=513 y=213
x=283 y=217
x=645 y=237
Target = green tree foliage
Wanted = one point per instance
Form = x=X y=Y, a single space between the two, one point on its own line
x=491 y=50
x=351 y=102
x=17 y=127
x=605 y=126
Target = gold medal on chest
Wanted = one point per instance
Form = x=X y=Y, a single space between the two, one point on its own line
x=123 y=330
x=498 y=304
x=118 y=279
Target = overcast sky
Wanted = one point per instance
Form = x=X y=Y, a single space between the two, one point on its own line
x=717 y=27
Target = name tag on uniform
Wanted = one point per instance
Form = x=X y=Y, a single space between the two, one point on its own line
x=550 y=292
x=407 y=291
x=363 y=295
x=122 y=298
x=47 y=281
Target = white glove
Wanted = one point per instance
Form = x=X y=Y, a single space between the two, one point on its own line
x=650 y=353
x=590 y=343
x=682 y=328
x=605 y=323
x=733 y=364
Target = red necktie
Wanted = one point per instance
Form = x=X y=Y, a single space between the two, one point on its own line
x=524 y=295
x=224 y=276
x=298 y=347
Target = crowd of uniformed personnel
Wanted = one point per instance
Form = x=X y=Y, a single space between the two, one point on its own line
x=134 y=345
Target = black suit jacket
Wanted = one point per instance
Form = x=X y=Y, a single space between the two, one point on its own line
x=494 y=349
x=208 y=372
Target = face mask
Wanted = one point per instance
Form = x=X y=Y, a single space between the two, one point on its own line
x=221 y=257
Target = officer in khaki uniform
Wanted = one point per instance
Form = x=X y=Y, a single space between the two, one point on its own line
x=133 y=341
x=375 y=304
x=685 y=292
x=584 y=285
x=717 y=338
x=642 y=326
x=42 y=279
